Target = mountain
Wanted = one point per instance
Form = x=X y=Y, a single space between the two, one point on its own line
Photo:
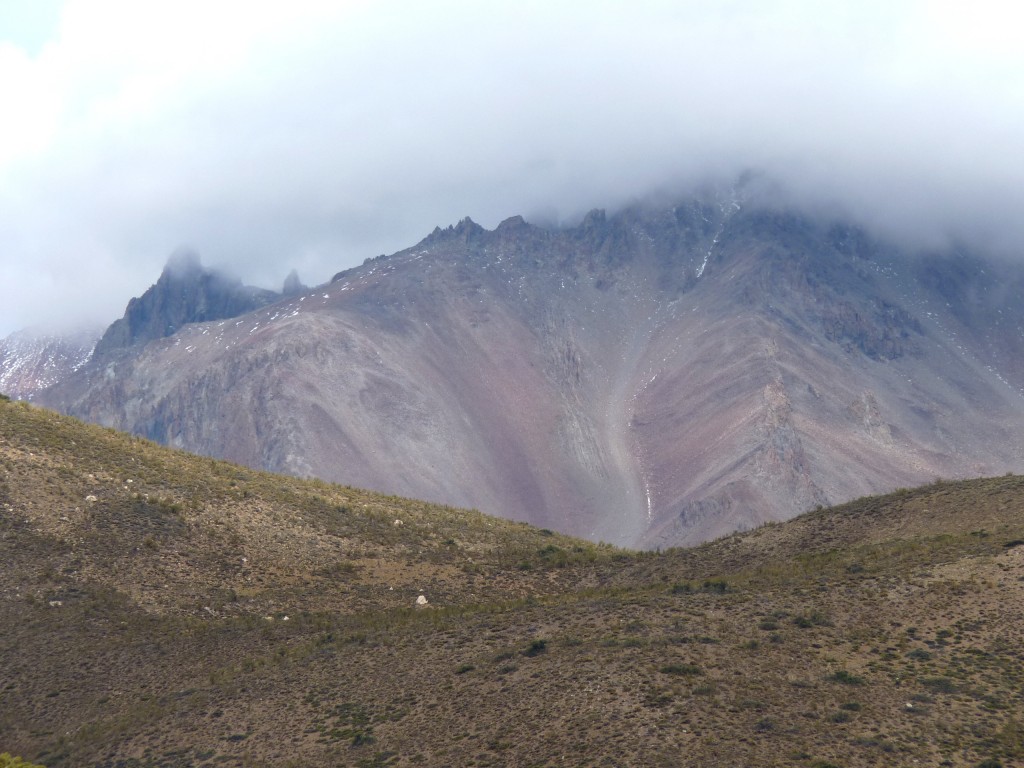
x=32 y=360
x=186 y=293
x=659 y=376
x=162 y=610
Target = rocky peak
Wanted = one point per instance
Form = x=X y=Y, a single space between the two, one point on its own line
x=512 y=224
x=464 y=231
x=594 y=219
x=468 y=227
x=292 y=284
x=186 y=292
x=183 y=264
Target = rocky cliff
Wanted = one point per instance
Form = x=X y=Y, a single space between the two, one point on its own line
x=186 y=293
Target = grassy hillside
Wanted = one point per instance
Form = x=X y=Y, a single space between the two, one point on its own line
x=162 y=609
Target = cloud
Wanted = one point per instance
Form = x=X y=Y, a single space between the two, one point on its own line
x=312 y=134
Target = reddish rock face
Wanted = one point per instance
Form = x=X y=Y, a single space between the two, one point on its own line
x=656 y=377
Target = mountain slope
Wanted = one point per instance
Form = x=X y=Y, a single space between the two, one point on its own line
x=206 y=614
x=660 y=376
x=32 y=360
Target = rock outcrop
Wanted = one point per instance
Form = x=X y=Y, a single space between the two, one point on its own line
x=186 y=293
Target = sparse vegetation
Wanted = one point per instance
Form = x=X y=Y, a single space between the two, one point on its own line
x=162 y=609
x=681 y=669
x=7 y=760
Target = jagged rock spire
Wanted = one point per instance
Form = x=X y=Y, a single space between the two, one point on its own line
x=186 y=292
x=292 y=284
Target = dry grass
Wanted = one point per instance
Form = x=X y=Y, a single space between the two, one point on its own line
x=884 y=632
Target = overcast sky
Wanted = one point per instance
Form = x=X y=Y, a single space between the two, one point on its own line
x=273 y=135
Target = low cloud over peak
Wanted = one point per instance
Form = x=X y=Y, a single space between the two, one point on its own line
x=314 y=135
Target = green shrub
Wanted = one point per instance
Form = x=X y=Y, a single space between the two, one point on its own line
x=536 y=648
x=846 y=678
x=718 y=586
x=812 y=619
x=939 y=684
x=554 y=555
x=361 y=737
